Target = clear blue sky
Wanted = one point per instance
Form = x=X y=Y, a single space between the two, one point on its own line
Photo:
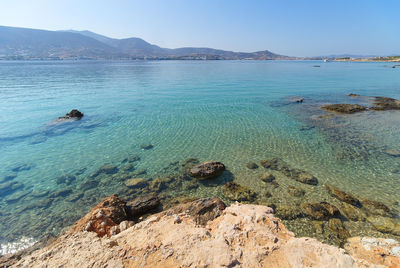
x=289 y=27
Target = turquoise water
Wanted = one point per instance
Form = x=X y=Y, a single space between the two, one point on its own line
x=231 y=111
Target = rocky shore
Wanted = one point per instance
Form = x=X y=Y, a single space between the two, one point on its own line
x=201 y=233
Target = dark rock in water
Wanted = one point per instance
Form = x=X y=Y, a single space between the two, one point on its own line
x=385 y=224
x=136 y=183
x=142 y=205
x=157 y=185
x=189 y=163
x=39 y=193
x=344 y=108
x=236 y=192
x=128 y=167
x=8 y=177
x=296 y=192
x=337 y=227
x=392 y=152
x=131 y=159
x=74 y=114
x=342 y=196
x=61 y=193
x=89 y=184
x=140 y=172
x=353 y=95
x=203 y=210
x=16 y=196
x=306 y=128
x=106 y=169
x=286 y=212
x=267 y=177
x=67 y=179
x=75 y=197
x=22 y=167
x=320 y=211
x=252 y=165
x=296 y=99
x=80 y=171
x=352 y=213
x=146 y=146
x=384 y=104
x=316 y=65
x=376 y=208
x=295 y=174
x=207 y=170
x=9 y=187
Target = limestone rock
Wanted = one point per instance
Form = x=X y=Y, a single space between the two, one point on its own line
x=142 y=205
x=320 y=211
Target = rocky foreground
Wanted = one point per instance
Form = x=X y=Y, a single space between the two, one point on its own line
x=202 y=233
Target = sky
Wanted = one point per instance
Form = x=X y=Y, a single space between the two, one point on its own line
x=287 y=27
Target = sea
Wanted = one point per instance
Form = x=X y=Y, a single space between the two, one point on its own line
x=235 y=112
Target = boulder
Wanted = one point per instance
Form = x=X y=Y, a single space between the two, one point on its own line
x=286 y=212
x=100 y=219
x=142 y=205
x=157 y=185
x=344 y=108
x=352 y=213
x=306 y=178
x=296 y=192
x=385 y=224
x=207 y=170
x=267 y=177
x=252 y=165
x=320 y=211
x=342 y=196
x=136 y=183
x=73 y=114
x=236 y=192
x=376 y=208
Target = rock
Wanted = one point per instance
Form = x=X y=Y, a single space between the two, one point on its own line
x=392 y=152
x=207 y=170
x=73 y=114
x=124 y=225
x=236 y=192
x=320 y=211
x=90 y=183
x=136 y=183
x=146 y=146
x=384 y=104
x=342 y=196
x=8 y=177
x=142 y=205
x=296 y=99
x=140 y=172
x=157 y=185
x=344 y=108
x=376 y=208
x=128 y=167
x=274 y=164
x=39 y=193
x=376 y=252
x=132 y=159
x=296 y=192
x=9 y=187
x=316 y=65
x=353 y=95
x=385 y=224
x=337 y=227
x=61 y=193
x=22 y=167
x=16 y=196
x=242 y=236
x=352 y=213
x=252 y=165
x=267 y=177
x=100 y=219
x=67 y=179
x=286 y=212
x=108 y=169
x=306 y=178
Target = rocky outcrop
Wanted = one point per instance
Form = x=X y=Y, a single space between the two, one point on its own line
x=142 y=205
x=237 y=236
x=344 y=108
x=385 y=103
x=207 y=170
x=74 y=114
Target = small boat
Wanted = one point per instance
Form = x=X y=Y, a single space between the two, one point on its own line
x=326 y=60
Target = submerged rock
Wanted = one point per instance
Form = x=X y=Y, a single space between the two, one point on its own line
x=67 y=179
x=296 y=192
x=108 y=169
x=344 y=108
x=320 y=211
x=8 y=177
x=146 y=146
x=376 y=208
x=237 y=192
x=385 y=224
x=392 y=152
x=286 y=212
x=352 y=213
x=73 y=114
x=136 y=183
x=131 y=159
x=157 y=185
x=337 y=227
x=252 y=165
x=22 y=167
x=353 y=95
x=267 y=177
x=342 y=196
x=9 y=187
x=207 y=170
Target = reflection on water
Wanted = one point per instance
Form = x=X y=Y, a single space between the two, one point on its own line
x=234 y=112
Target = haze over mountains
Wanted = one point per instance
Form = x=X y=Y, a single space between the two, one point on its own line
x=24 y=43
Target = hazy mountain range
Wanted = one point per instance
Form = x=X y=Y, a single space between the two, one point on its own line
x=24 y=43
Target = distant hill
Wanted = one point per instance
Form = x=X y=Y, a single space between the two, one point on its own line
x=23 y=43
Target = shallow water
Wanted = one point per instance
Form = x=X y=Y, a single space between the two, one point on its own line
x=230 y=111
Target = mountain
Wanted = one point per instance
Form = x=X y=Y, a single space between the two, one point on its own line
x=24 y=43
